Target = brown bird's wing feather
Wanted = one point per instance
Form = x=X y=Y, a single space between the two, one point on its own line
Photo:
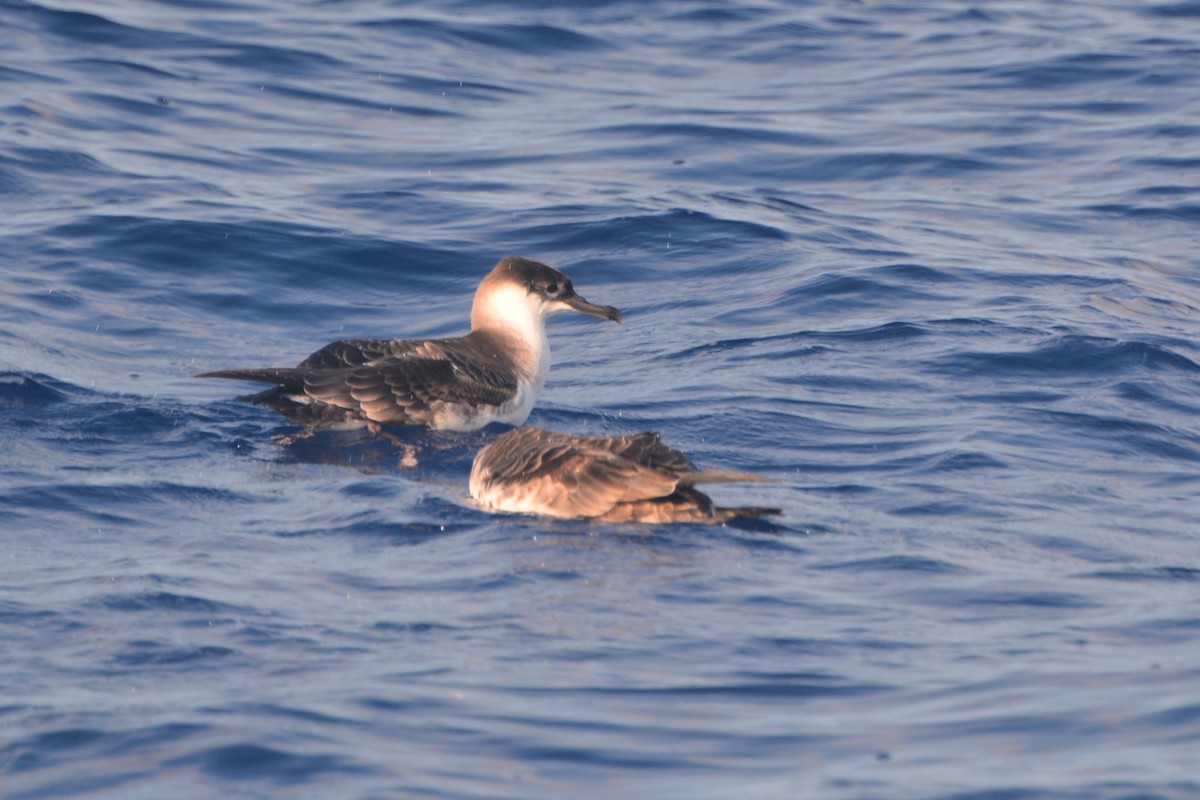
x=399 y=391
x=647 y=449
x=566 y=476
x=385 y=381
x=612 y=478
x=356 y=352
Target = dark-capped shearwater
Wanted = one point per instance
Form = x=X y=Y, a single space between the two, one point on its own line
x=611 y=478
x=493 y=374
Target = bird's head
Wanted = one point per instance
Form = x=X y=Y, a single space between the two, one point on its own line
x=520 y=293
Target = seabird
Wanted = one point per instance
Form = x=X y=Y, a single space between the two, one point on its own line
x=493 y=374
x=610 y=478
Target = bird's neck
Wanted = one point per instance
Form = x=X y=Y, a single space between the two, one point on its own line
x=509 y=318
x=529 y=351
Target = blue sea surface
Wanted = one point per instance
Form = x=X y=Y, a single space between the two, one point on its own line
x=932 y=267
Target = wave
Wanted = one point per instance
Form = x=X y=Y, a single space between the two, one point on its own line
x=1071 y=355
x=524 y=39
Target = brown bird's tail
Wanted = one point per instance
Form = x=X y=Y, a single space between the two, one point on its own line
x=722 y=476
x=280 y=375
x=746 y=512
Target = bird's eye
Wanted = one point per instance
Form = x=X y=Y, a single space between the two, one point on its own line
x=551 y=288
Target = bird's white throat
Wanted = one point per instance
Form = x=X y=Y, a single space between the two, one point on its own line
x=518 y=317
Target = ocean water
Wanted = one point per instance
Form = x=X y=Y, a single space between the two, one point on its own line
x=932 y=267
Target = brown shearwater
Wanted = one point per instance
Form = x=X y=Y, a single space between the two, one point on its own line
x=633 y=478
x=493 y=374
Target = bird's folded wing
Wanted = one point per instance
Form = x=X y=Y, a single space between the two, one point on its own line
x=396 y=390
x=647 y=449
x=568 y=476
x=357 y=352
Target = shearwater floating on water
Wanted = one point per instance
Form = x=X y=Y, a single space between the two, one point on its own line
x=493 y=374
x=633 y=478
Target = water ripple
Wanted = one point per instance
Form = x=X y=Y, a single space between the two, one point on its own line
x=1071 y=355
x=255 y=762
x=518 y=38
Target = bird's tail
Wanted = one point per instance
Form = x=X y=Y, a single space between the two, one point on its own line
x=722 y=476
x=731 y=476
x=283 y=376
x=746 y=512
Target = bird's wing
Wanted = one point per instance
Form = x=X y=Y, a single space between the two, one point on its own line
x=394 y=381
x=357 y=352
x=335 y=355
x=563 y=475
x=410 y=390
x=647 y=449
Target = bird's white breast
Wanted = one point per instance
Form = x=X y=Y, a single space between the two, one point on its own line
x=455 y=417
